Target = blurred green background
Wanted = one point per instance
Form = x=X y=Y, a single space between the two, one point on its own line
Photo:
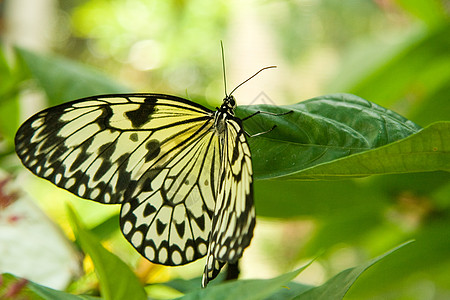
x=395 y=53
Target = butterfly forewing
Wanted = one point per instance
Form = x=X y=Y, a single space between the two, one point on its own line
x=101 y=148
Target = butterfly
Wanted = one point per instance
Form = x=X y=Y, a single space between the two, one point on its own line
x=181 y=172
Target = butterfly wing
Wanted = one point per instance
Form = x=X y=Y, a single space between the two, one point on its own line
x=234 y=214
x=155 y=154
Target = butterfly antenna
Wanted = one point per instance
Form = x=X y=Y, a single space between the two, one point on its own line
x=265 y=68
x=223 y=67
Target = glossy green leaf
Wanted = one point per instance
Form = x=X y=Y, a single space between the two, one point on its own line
x=318 y=131
x=32 y=291
x=244 y=289
x=338 y=286
x=64 y=80
x=427 y=150
x=117 y=280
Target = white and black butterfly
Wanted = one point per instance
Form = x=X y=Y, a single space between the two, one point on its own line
x=182 y=172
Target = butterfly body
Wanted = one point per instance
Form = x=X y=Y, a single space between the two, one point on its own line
x=181 y=172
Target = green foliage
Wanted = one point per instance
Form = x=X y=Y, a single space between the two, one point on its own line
x=13 y=287
x=332 y=136
x=9 y=104
x=325 y=130
x=244 y=289
x=64 y=80
x=337 y=287
x=431 y=12
x=425 y=151
x=413 y=73
x=116 y=279
x=337 y=137
x=280 y=287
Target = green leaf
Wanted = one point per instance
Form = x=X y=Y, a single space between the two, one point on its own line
x=289 y=291
x=337 y=287
x=116 y=279
x=427 y=260
x=281 y=288
x=11 y=76
x=425 y=151
x=33 y=291
x=63 y=79
x=245 y=289
x=187 y=285
x=107 y=228
x=318 y=131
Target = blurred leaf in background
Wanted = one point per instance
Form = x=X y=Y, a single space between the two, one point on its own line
x=393 y=53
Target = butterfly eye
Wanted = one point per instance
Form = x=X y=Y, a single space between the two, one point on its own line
x=232 y=102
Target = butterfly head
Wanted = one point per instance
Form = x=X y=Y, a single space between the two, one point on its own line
x=228 y=105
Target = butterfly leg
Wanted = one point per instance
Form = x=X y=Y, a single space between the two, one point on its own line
x=267 y=113
x=259 y=133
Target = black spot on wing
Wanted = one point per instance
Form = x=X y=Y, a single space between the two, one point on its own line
x=134 y=137
x=154 y=148
x=142 y=114
x=144 y=184
x=235 y=153
x=180 y=229
x=149 y=209
x=160 y=226
x=200 y=222
x=147 y=185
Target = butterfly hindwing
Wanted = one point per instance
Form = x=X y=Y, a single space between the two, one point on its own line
x=234 y=215
x=185 y=198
